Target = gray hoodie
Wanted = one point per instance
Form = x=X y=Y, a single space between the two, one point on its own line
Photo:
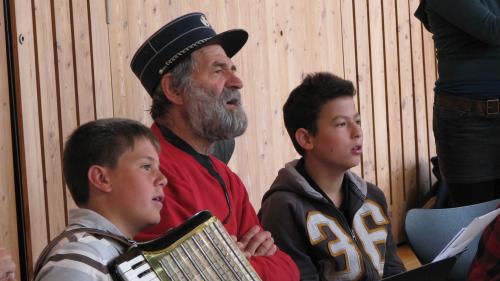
x=326 y=243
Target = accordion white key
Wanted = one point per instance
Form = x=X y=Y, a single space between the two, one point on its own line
x=199 y=249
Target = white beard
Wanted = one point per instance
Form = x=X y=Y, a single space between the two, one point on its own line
x=210 y=118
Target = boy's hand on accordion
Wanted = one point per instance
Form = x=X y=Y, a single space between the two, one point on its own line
x=256 y=242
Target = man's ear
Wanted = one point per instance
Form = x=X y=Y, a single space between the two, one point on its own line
x=304 y=139
x=173 y=96
x=99 y=178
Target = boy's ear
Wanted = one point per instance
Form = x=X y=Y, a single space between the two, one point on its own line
x=99 y=178
x=171 y=95
x=304 y=139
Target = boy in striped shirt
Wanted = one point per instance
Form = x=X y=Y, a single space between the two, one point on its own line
x=111 y=167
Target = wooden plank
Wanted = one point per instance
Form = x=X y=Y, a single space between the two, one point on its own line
x=65 y=76
x=119 y=56
x=396 y=196
x=261 y=122
x=274 y=44
x=154 y=10
x=83 y=61
x=349 y=54
x=100 y=57
x=332 y=14
x=247 y=145
x=365 y=89
x=51 y=148
x=407 y=106
x=311 y=27
x=423 y=171
x=30 y=146
x=126 y=34
x=8 y=223
x=380 y=121
x=284 y=63
x=134 y=95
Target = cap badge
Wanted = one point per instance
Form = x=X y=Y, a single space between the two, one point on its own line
x=204 y=20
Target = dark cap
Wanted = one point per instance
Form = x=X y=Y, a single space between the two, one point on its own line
x=176 y=40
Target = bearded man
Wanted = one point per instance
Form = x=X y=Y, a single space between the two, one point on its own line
x=187 y=69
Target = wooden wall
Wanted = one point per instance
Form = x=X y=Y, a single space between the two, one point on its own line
x=72 y=66
x=8 y=218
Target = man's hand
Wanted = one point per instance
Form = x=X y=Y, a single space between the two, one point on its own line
x=256 y=242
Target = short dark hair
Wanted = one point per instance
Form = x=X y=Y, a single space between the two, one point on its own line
x=99 y=142
x=304 y=103
x=181 y=80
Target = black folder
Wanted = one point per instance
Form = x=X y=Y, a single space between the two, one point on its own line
x=434 y=271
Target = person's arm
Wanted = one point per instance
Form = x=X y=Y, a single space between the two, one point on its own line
x=485 y=264
x=257 y=242
x=279 y=217
x=74 y=261
x=393 y=264
x=278 y=266
x=7 y=266
x=471 y=16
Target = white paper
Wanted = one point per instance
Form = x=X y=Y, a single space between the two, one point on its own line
x=460 y=241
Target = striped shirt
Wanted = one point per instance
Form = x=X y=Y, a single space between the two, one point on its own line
x=82 y=256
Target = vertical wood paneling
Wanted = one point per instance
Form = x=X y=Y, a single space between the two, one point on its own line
x=133 y=95
x=83 y=61
x=365 y=89
x=8 y=223
x=100 y=57
x=65 y=76
x=156 y=11
x=78 y=70
x=47 y=92
x=349 y=52
x=379 y=96
x=331 y=16
x=29 y=117
x=423 y=171
x=397 y=200
x=256 y=95
x=119 y=55
x=406 y=95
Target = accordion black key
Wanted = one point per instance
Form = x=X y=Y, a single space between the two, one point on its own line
x=199 y=249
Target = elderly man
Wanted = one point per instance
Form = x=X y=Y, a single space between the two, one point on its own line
x=187 y=69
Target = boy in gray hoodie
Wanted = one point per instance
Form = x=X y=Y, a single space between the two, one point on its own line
x=330 y=221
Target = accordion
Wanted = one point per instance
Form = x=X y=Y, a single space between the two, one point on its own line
x=198 y=249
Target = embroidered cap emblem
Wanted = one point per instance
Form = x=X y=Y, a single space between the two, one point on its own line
x=204 y=20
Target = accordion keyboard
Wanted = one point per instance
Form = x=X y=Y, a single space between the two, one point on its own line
x=137 y=269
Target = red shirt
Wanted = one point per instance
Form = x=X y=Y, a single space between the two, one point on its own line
x=486 y=264
x=191 y=188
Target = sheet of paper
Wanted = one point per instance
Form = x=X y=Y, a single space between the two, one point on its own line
x=460 y=241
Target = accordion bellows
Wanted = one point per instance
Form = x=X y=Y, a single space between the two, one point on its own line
x=199 y=249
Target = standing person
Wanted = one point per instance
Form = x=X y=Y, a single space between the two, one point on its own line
x=466 y=118
x=7 y=266
x=186 y=68
x=111 y=167
x=330 y=221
